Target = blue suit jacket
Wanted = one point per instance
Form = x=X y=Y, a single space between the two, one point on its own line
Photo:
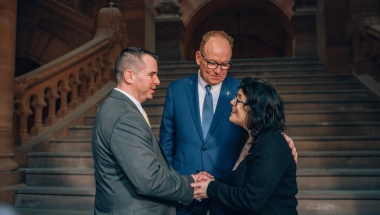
x=181 y=134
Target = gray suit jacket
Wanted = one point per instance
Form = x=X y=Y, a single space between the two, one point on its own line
x=131 y=171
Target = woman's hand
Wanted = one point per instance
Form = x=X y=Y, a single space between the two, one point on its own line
x=200 y=188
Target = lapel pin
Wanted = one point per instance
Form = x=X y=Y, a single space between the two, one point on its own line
x=228 y=93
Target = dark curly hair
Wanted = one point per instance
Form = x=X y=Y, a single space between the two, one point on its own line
x=266 y=107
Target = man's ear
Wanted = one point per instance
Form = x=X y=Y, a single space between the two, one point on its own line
x=198 y=57
x=128 y=76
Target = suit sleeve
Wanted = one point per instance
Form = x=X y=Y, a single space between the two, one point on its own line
x=138 y=157
x=167 y=129
x=264 y=171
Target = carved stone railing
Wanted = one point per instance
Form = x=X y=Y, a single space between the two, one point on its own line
x=49 y=93
x=373 y=42
x=364 y=30
x=81 y=6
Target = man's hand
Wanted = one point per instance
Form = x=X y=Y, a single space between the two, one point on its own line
x=291 y=146
x=202 y=176
x=200 y=189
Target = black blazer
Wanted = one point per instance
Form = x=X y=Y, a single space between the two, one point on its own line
x=264 y=182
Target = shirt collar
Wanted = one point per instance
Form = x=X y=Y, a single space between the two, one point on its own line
x=202 y=83
x=137 y=103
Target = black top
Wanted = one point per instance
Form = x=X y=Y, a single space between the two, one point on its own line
x=264 y=182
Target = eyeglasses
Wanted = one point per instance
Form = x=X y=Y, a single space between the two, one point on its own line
x=236 y=101
x=214 y=65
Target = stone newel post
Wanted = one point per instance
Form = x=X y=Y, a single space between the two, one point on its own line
x=169 y=31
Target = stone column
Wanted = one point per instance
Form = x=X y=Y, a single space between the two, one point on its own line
x=305 y=36
x=8 y=17
x=138 y=16
x=169 y=31
x=333 y=45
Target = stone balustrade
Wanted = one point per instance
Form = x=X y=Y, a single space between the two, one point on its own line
x=50 y=92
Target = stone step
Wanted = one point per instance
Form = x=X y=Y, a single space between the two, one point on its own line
x=39 y=211
x=61 y=177
x=295 y=86
x=338 y=159
x=332 y=115
x=338 y=179
x=60 y=159
x=70 y=145
x=237 y=63
x=322 y=128
x=332 y=128
x=340 y=202
x=246 y=66
x=67 y=198
x=80 y=131
x=248 y=71
x=333 y=104
x=337 y=143
x=298 y=95
x=323 y=94
x=308 y=179
x=274 y=79
x=303 y=60
x=296 y=116
x=312 y=104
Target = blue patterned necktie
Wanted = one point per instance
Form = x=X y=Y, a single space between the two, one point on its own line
x=208 y=112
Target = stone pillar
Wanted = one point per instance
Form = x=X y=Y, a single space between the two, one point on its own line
x=169 y=31
x=305 y=36
x=333 y=44
x=138 y=16
x=8 y=17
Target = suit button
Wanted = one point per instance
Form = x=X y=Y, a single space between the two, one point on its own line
x=204 y=149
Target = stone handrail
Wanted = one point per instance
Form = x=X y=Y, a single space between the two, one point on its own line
x=50 y=92
x=373 y=33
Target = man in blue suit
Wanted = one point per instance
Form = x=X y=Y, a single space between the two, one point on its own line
x=189 y=142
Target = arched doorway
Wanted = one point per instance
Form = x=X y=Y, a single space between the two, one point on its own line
x=260 y=28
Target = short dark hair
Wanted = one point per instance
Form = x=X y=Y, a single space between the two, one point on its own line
x=266 y=107
x=131 y=59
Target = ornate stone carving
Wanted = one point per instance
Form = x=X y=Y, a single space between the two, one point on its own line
x=21 y=84
x=168 y=7
x=365 y=33
x=110 y=21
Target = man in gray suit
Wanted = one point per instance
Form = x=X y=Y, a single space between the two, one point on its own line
x=132 y=173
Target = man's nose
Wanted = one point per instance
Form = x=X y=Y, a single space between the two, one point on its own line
x=157 y=81
x=218 y=69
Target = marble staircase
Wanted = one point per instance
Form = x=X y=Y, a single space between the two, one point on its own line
x=333 y=119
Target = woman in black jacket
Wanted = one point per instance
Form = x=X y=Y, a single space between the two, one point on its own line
x=263 y=180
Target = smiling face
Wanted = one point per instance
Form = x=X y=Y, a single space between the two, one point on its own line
x=239 y=111
x=146 y=79
x=218 y=50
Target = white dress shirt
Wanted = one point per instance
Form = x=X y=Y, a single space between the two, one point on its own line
x=137 y=103
x=215 y=91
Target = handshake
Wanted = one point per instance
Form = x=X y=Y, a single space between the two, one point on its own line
x=202 y=179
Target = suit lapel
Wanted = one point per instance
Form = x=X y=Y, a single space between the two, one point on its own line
x=192 y=95
x=223 y=105
x=118 y=95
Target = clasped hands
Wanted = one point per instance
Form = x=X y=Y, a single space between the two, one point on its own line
x=202 y=179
